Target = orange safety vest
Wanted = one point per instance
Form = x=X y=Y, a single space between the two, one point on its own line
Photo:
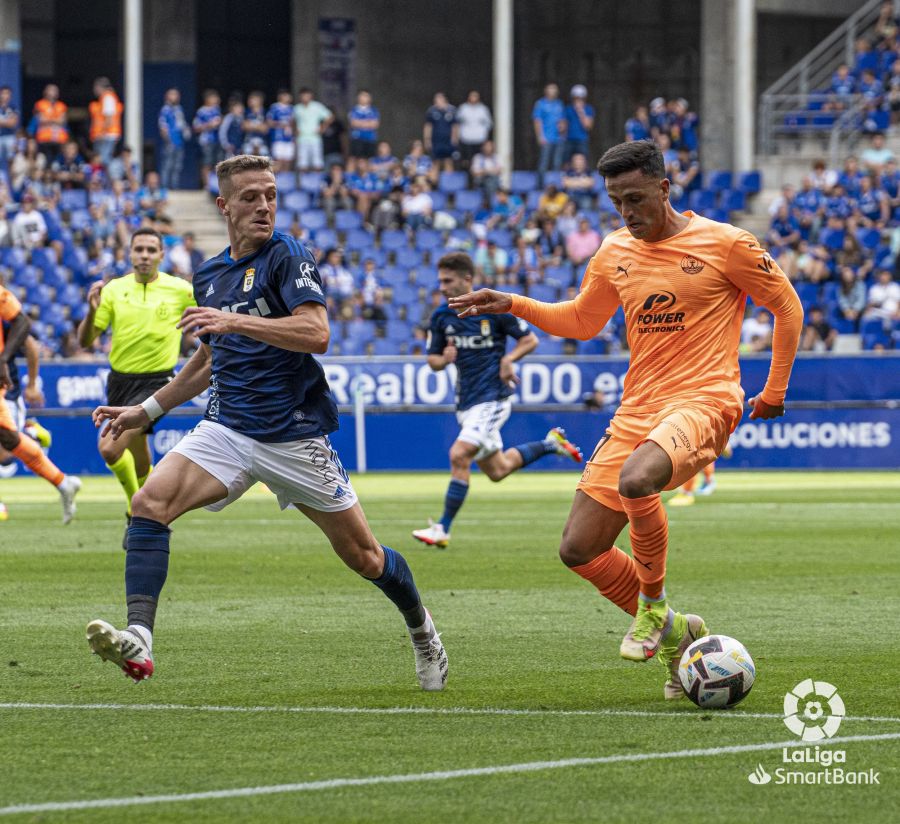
x=51 y=121
x=98 y=129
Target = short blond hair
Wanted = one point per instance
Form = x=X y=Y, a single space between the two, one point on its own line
x=226 y=169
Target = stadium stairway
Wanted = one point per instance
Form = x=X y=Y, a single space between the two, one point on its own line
x=195 y=211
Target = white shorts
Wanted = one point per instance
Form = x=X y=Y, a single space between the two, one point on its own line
x=309 y=152
x=283 y=150
x=298 y=472
x=480 y=426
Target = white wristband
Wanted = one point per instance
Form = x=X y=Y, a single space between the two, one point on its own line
x=152 y=408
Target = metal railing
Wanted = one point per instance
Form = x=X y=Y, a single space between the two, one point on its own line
x=792 y=105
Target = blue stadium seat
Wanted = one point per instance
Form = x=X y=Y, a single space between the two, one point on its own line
x=345 y=219
x=27 y=277
x=71 y=295
x=807 y=292
x=460 y=237
x=841 y=324
x=553 y=178
x=502 y=237
x=453 y=181
x=394 y=239
x=719 y=215
x=286 y=182
x=313 y=219
x=55 y=276
x=426 y=276
x=545 y=292
x=408 y=258
x=427 y=239
x=533 y=200
x=80 y=219
x=382 y=347
x=702 y=200
x=393 y=275
x=868 y=238
x=438 y=201
x=404 y=295
x=12 y=256
x=559 y=274
x=750 y=182
x=361 y=330
x=311 y=182
x=733 y=200
x=70 y=199
x=284 y=218
x=551 y=346
x=523 y=181
x=359 y=240
x=351 y=346
x=469 y=200
x=296 y=201
x=832 y=238
x=374 y=253
x=398 y=330
x=718 y=181
x=594 y=346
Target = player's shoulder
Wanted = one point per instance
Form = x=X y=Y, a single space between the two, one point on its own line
x=442 y=313
x=283 y=246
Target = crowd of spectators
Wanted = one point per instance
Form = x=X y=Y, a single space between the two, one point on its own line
x=837 y=238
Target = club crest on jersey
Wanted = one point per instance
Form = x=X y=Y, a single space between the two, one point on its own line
x=248 y=279
x=485 y=327
x=691 y=265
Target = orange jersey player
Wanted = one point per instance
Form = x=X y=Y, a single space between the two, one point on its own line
x=24 y=448
x=683 y=282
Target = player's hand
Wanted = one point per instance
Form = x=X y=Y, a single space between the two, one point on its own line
x=5 y=382
x=122 y=418
x=508 y=373
x=33 y=396
x=93 y=295
x=482 y=302
x=763 y=411
x=449 y=354
x=204 y=320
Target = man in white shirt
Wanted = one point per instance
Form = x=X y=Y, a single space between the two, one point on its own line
x=884 y=297
x=29 y=229
x=756 y=332
x=312 y=118
x=475 y=124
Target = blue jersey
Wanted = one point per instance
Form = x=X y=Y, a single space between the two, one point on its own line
x=481 y=343
x=364 y=113
x=204 y=116
x=281 y=114
x=263 y=391
x=173 y=124
x=442 y=122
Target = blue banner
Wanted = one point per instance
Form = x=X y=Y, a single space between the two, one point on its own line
x=402 y=395
x=409 y=382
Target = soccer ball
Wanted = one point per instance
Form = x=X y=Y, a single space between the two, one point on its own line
x=716 y=672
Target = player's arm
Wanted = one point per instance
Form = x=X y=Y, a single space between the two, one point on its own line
x=582 y=318
x=305 y=330
x=19 y=325
x=33 y=394
x=188 y=383
x=525 y=344
x=88 y=330
x=753 y=271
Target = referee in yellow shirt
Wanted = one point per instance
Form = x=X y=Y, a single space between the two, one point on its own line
x=141 y=309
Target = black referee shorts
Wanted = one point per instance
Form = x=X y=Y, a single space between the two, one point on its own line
x=131 y=388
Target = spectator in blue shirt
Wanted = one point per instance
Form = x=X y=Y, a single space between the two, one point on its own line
x=206 y=126
x=684 y=126
x=659 y=117
x=843 y=83
x=364 y=122
x=231 y=131
x=440 y=133
x=548 y=117
x=9 y=123
x=280 y=119
x=872 y=207
x=870 y=87
x=417 y=163
x=256 y=126
x=638 y=126
x=783 y=230
x=866 y=58
x=850 y=176
x=579 y=122
x=174 y=133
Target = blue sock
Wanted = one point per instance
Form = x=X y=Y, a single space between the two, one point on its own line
x=397 y=583
x=535 y=450
x=456 y=494
x=147 y=560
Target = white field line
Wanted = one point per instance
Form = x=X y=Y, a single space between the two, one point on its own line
x=461 y=711
x=409 y=778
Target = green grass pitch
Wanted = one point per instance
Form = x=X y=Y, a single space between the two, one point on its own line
x=273 y=662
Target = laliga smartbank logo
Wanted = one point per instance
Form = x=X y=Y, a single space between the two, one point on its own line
x=813 y=710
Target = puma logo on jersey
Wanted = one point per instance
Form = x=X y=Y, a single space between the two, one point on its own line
x=623 y=269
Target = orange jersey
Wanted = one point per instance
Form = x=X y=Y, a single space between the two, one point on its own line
x=684 y=299
x=9 y=308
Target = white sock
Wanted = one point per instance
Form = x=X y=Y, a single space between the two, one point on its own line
x=143 y=633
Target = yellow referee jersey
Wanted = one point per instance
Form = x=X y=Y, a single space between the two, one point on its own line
x=142 y=318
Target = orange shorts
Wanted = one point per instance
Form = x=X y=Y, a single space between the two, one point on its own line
x=6 y=418
x=692 y=436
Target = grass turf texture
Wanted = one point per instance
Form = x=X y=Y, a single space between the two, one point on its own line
x=258 y=612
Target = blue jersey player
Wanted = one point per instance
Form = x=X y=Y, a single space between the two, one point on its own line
x=261 y=317
x=486 y=380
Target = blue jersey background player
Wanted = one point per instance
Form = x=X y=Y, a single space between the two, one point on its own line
x=260 y=317
x=485 y=381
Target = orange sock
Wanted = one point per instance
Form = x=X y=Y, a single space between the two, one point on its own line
x=688 y=486
x=649 y=531
x=708 y=471
x=614 y=574
x=30 y=454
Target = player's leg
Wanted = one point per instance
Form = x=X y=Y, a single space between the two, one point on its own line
x=709 y=480
x=29 y=452
x=352 y=539
x=119 y=459
x=685 y=494
x=462 y=453
x=209 y=467
x=503 y=463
